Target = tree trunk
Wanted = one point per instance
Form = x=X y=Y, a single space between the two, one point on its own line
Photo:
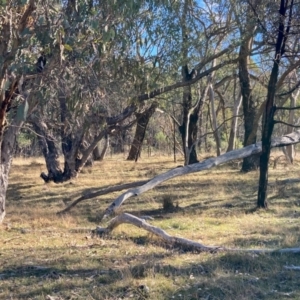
x=140 y=131
x=234 y=121
x=200 y=124
x=50 y=152
x=7 y=147
x=8 y=135
x=289 y=151
x=189 y=139
x=249 y=107
x=268 y=120
x=214 y=120
x=99 y=154
x=188 y=129
x=11 y=42
x=3 y=189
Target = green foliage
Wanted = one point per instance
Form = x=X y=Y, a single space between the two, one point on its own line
x=24 y=139
x=160 y=137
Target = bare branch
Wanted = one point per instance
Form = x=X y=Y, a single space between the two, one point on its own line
x=287 y=124
x=295 y=87
x=287 y=108
x=179 y=84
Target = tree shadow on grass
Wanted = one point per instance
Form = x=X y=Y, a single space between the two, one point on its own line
x=228 y=276
x=209 y=276
x=35 y=280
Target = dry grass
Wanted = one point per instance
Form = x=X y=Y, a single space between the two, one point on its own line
x=42 y=254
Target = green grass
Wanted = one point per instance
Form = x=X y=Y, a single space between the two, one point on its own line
x=42 y=254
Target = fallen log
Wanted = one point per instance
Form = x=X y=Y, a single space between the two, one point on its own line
x=178 y=241
x=289 y=139
x=111 y=189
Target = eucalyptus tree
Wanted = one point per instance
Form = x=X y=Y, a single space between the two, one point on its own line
x=21 y=66
x=205 y=43
x=247 y=21
x=287 y=26
x=42 y=48
x=197 y=40
x=256 y=21
x=88 y=96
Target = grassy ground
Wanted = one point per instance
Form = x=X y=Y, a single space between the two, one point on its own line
x=43 y=256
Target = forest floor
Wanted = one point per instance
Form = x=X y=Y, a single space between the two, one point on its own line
x=45 y=256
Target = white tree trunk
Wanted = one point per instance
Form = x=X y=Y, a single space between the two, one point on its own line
x=234 y=122
x=6 y=154
x=289 y=151
x=3 y=189
x=214 y=119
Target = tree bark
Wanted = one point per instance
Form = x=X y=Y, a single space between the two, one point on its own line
x=268 y=120
x=234 y=121
x=49 y=149
x=249 y=107
x=12 y=26
x=7 y=146
x=214 y=120
x=3 y=189
x=188 y=128
x=98 y=153
x=289 y=151
x=140 y=131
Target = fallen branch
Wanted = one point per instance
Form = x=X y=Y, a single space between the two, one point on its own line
x=130 y=219
x=178 y=241
x=292 y=267
x=111 y=189
x=289 y=139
